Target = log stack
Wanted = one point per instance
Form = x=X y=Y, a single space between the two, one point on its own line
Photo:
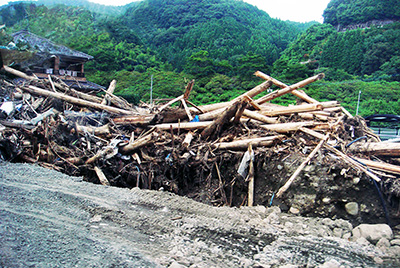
x=183 y=148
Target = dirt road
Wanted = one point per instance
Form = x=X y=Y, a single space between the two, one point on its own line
x=48 y=219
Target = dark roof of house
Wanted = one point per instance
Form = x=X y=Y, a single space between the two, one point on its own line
x=46 y=46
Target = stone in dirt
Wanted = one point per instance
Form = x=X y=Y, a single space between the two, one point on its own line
x=330 y=264
x=373 y=232
x=352 y=208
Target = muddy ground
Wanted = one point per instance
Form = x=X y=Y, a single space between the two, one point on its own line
x=49 y=219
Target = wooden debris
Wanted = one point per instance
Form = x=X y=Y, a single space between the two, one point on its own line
x=186 y=146
x=109 y=91
x=102 y=178
x=295 y=92
x=215 y=128
x=376 y=148
x=379 y=165
x=277 y=93
x=301 y=167
x=250 y=179
x=73 y=100
x=244 y=143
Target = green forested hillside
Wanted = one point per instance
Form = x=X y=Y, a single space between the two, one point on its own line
x=345 y=12
x=363 y=59
x=373 y=52
x=226 y=29
x=221 y=43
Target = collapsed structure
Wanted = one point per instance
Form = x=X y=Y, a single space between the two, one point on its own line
x=42 y=58
x=313 y=158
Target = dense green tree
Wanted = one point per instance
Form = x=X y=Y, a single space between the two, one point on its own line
x=200 y=64
x=177 y=29
x=392 y=68
x=346 y=12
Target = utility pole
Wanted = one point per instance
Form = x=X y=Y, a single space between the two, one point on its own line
x=151 y=91
x=358 y=102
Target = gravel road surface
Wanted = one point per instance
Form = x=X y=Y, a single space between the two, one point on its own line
x=48 y=219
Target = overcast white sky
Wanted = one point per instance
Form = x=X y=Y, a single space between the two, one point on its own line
x=294 y=10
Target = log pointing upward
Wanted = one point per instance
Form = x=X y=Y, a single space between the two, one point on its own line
x=295 y=92
x=217 y=125
x=289 y=89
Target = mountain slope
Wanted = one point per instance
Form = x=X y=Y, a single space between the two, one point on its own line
x=364 y=51
x=346 y=12
x=227 y=29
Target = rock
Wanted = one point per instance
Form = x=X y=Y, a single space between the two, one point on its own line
x=363 y=241
x=346 y=236
x=383 y=244
x=330 y=264
x=328 y=222
x=364 y=208
x=326 y=200
x=352 y=208
x=338 y=232
x=356 y=180
x=373 y=232
x=345 y=225
x=378 y=260
x=294 y=211
x=274 y=209
x=272 y=218
x=394 y=251
x=395 y=242
x=244 y=262
x=96 y=218
x=260 y=209
x=176 y=265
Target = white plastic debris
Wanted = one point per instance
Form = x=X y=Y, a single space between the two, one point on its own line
x=244 y=164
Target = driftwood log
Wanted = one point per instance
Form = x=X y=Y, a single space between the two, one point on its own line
x=278 y=83
x=277 y=93
x=215 y=128
x=301 y=167
x=73 y=100
x=244 y=143
x=376 y=148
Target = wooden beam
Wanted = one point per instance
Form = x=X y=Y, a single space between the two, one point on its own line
x=289 y=127
x=244 y=144
x=301 y=167
x=294 y=109
x=289 y=89
x=171 y=102
x=186 y=109
x=102 y=177
x=295 y=92
x=259 y=117
x=342 y=155
x=381 y=166
x=376 y=148
x=73 y=100
x=185 y=126
x=215 y=128
x=109 y=91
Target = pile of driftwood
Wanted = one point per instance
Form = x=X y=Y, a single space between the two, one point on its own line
x=179 y=146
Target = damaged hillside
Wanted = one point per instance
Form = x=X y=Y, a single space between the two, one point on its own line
x=311 y=159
